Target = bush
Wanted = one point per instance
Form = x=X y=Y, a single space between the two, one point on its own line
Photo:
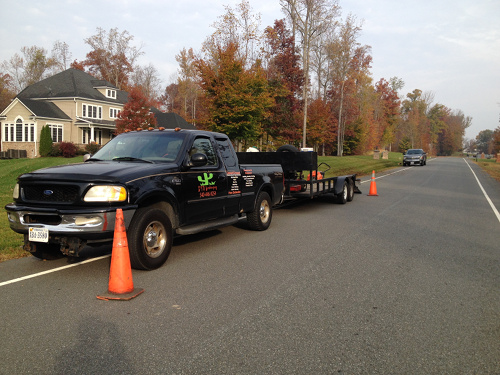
x=55 y=150
x=45 y=141
x=68 y=149
x=92 y=148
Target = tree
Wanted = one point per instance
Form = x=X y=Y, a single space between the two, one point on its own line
x=309 y=18
x=484 y=141
x=239 y=27
x=496 y=140
x=45 y=141
x=28 y=68
x=187 y=85
x=237 y=99
x=320 y=124
x=285 y=78
x=61 y=56
x=451 y=137
x=112 y=57
x=136 y=113
x=6 y=93
x=342 y=51
x=387 y=111
x=414 y=118
x=147 y=79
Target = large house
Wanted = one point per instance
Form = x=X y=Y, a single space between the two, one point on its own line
x=77 y=107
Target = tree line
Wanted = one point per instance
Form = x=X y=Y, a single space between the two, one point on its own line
x=304 y=80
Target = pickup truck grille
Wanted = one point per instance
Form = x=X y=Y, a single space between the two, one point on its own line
x=51 y=193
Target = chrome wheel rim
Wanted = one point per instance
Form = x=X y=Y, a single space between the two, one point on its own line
x=155 y=239
x=265 y=211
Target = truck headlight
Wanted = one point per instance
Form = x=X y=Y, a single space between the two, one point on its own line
x=15 y=193
x=106 y=193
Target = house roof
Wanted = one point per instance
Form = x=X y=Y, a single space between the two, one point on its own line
x=170 y=120
x=71 y=83
x=44 y=109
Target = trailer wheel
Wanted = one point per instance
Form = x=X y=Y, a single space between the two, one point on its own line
x=150 y=238
x=350 y=190
x=260 y=217
x=342 y=197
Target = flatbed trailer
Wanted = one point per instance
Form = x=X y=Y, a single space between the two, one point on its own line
x=303 y=177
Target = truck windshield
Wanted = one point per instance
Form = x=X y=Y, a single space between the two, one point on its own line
x=151 y=146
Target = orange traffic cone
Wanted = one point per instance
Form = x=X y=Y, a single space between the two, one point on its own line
x=121 y=286
x=373 y=186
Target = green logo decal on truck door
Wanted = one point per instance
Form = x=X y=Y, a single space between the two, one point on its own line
x=205 y=180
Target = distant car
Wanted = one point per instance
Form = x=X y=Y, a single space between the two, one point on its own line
x=415 y=156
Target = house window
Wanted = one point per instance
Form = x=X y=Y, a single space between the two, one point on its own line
x=91 y=111
x=56 y=131
x=19 y=132
x=29 y=132
x=114 y=112
x=111 y=94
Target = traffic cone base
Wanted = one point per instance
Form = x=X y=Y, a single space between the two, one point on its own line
x=120 y=297
x=121 y=285
x=373 y=186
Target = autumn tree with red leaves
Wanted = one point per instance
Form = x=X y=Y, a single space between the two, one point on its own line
x=136 y=113
x=285 y=78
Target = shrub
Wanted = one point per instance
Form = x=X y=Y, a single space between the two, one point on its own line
x=55 y=150
x=45 y=141
x=68 y=149
x=92 y=148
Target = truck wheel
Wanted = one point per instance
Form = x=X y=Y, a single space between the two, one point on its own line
x=150 y=238
x=46 y=251
x=260 y=217
x=342 y=197
x=350 y=190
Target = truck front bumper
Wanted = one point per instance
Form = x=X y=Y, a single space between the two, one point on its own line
x=92 y=224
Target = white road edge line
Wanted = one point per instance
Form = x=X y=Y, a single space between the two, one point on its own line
x=52 y=270
x=385 y=175
x=399 y=170
x=495 y=211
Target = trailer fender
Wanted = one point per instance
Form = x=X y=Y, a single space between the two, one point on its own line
x=339 y=184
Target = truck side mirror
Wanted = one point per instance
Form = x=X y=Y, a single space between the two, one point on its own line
x=198 y=160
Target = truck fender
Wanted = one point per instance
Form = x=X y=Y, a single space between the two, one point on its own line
x=165 y=200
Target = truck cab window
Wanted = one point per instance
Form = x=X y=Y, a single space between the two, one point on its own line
x=227 y=152
x=204 y=146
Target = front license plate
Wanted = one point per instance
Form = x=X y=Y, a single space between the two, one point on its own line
x=38 y=235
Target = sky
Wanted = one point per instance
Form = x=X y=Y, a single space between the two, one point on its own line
x=449 y=48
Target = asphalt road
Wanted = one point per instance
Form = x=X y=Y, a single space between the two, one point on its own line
x=407 y=282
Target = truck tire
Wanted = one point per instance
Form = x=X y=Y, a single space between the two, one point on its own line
x=150 y=238
x=260 y=217
x=342 y=197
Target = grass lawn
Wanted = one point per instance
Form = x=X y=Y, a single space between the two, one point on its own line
x=11 y=242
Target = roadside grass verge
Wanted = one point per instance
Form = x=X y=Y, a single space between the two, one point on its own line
x=361 y=165
x=490 y=166
x=11 y=243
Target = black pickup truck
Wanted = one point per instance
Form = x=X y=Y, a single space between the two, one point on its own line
x=166 y=181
